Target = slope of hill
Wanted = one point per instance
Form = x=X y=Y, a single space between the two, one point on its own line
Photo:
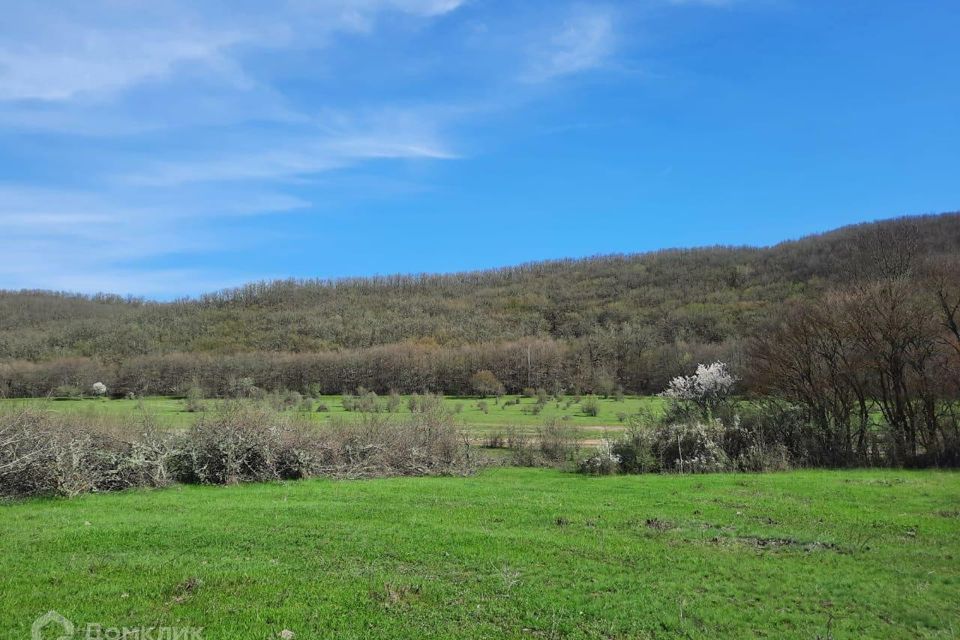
x=700 y=295
x=686 y=303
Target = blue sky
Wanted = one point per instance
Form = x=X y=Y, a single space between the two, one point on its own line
x=170 y=148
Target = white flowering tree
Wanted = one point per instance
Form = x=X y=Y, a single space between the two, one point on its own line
x=708 y=388
x=99 y=389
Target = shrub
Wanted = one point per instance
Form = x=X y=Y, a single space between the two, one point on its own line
x=691 y=447
x=193 y=401
x=99 y=389
x=706 y=389
x=590 y=406
x=529 y=392
x=426 y=403
x=635 y=449
x=558 y=442
x=524 y=454
x=482 y=406
x=292 y=399
x=241 y=387
x=603 y=462
x=67 y=391
x=239 y=443
x=604 y=384
x=49 y=454
x=495 y=440
x=322 y=407
x=393 y=402
x=485 y=383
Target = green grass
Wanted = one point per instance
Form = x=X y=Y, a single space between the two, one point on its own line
x=509 y=553
x=172 y=412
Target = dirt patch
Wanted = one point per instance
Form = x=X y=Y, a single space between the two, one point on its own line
x=393 y=595
x=775 y=544
x=185 y=590
x=659 y=525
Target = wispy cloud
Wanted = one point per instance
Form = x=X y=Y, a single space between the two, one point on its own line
x=128 y=121
x=584 y=40
x=99 y=46
x=92 y=241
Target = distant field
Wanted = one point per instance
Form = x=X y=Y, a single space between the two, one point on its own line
x=172 y=411
x=511 y=553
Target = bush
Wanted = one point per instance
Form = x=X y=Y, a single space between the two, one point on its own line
x=49 y=454
x=691 y=447
x=707 y=389
x=67 y=391
x=482 y=406
x=426 y=403
x=635 y=449
x=495 y=440
x=193 y=400
x=45 y=454
x=603 y=462
x=393 y=402
x=485 y=383
x=558 y=442
x=241 y=387
x=239 y=443
x=590 y=406
x=322 y=407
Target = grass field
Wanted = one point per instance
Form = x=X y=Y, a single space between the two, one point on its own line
x=509 y=553
x=172 y=411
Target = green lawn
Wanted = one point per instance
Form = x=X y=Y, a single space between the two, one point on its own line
x=172 y=412
x=509 y=553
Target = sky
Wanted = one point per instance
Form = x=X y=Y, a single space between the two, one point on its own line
x=165 y=149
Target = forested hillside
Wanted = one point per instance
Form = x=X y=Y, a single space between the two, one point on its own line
x=632 y=320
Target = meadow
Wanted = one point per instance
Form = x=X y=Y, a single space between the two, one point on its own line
x=499 y=414
x=509 y=552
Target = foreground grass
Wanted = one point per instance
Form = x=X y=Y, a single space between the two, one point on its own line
x=509 y=553
x=172 y=411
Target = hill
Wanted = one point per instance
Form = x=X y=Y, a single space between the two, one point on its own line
x=670 y=307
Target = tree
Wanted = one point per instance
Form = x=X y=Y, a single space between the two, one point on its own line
x=708 y=388
x=485 y=383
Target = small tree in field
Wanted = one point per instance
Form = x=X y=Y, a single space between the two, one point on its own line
x=99 y=389
x=486 y=384
x=708 y=388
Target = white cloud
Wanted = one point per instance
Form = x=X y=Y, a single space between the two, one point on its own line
x=96 y=46
x=583 y=41
x=141 y=119
x=94 y=241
